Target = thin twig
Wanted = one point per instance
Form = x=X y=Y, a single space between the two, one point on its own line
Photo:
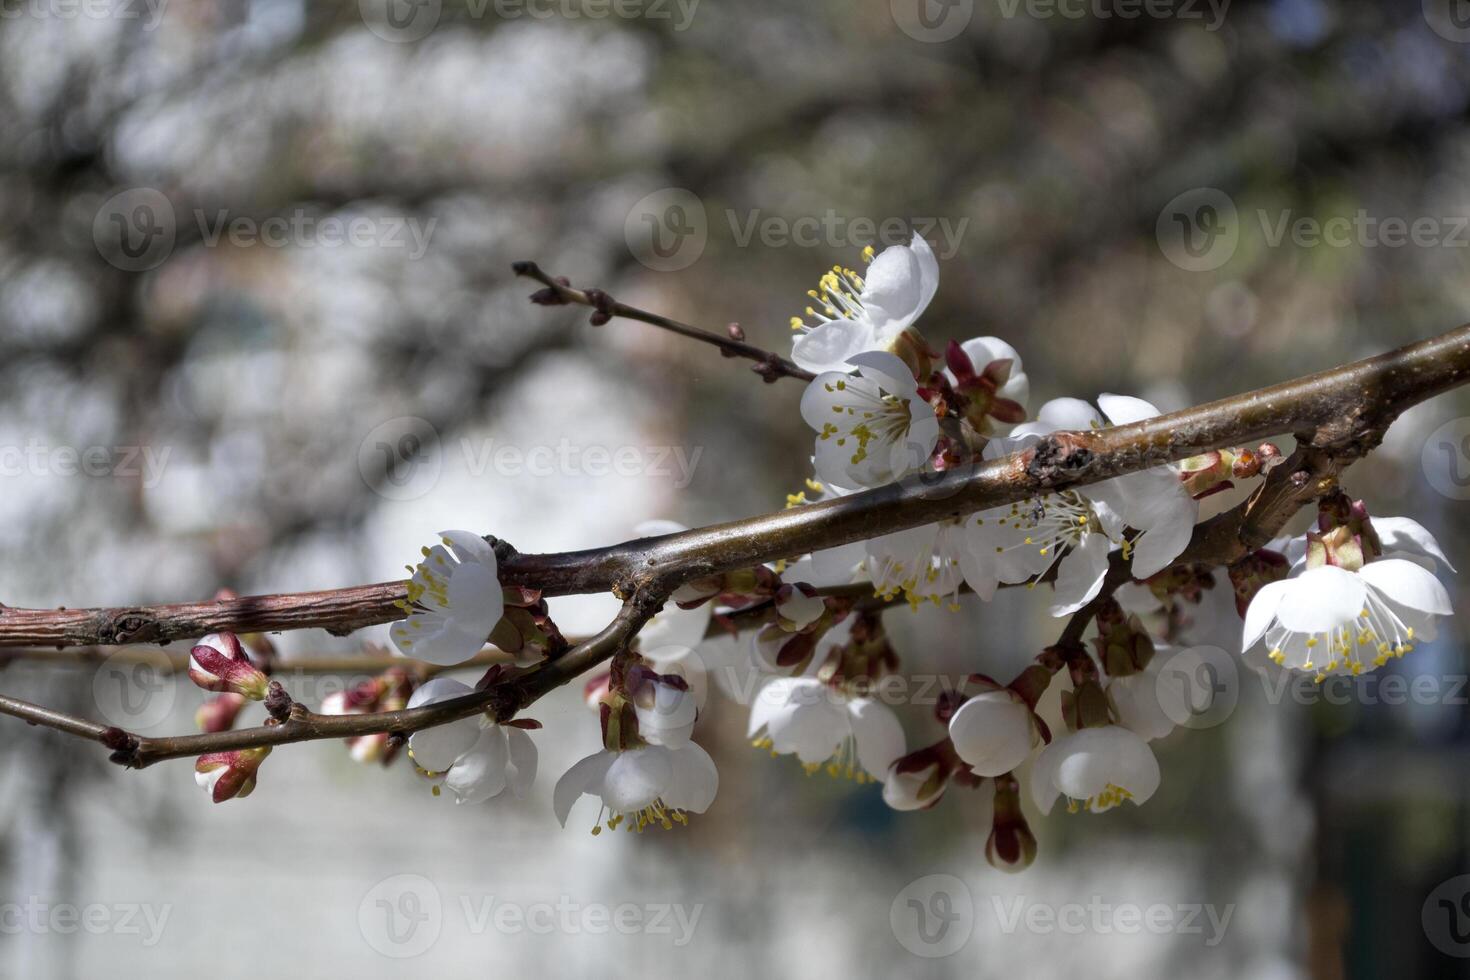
x=768 y=364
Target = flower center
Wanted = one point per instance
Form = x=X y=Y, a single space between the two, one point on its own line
x=843 y=764
x=1379 y=630
x=869 y=415
x=656 y=812
x=932 y=573
x=1111 y=796
x=837 y=296
x=1048 y=524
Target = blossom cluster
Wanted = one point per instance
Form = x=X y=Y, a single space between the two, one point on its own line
x=1348 y=596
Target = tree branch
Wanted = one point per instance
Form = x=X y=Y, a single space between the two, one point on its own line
x=1344 y=412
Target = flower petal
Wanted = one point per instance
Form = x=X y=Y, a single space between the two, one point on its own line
x=1080 y=577
x=1261 y=613
x=480 y=773
x=1322 y=599
x=695 y=780
x=878 y=734
x=1404 y=534
x=636 y=778
x=1125 y=409
x=828 y=346
x=523 y=760
x=584 y=775
x=1407 y=584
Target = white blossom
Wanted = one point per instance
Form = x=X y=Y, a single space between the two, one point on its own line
x=454 y=601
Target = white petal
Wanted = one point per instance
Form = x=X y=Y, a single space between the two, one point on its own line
x=695 y=780
x=1408 y=585
x=438 y=689
x=1156 y=548
x=469 y=546
x=893 y=290
x=438 y=748
x=828 y=347
x=1080 y=577
x=1044 y=791
x=480 y=773
x=1125 y=409
x=581 y=778
x=993 y=732
x=1261 y=613
x=1404 y=534
x=878 y=734
x=1071 y=414
x=1321 y=599
x=475 y=599
x=636 y=778
x=888 y=370
x=523 y=760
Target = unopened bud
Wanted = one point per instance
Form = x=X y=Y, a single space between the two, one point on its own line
x=219 y=663
x=218 y=714
x=228 y=775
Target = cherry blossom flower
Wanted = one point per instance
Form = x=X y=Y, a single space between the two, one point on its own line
x=641 y=787
x=478 y=758
x=1076 y=530
x=454 y=601
x=926 y=564
x=1331 y=620
x=986 y=373
x=1096 y=769
x=853 y=314
x=826 y=727
x=872 y=427
x=994 y=732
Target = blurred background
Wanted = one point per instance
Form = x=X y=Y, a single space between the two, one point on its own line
x=258 y=330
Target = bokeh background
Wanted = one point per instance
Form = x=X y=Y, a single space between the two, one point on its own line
x=255 y=261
